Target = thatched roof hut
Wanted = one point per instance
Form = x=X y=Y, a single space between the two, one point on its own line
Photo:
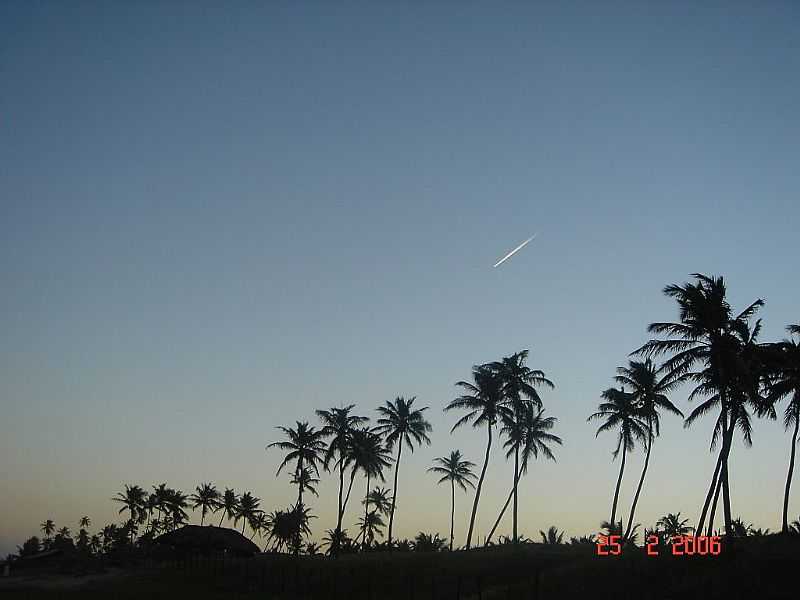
x=206 y=539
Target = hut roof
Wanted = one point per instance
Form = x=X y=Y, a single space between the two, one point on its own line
x=195 y=537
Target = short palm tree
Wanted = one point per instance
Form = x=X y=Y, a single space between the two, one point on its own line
x=649 y=392
x=484 y=402
x=258 y=523
x=457 y=471
x=553 y=535
x=399 y=422
x=621 y=412
x=247 y=509
x=380 y=499
x=84 y=522
x=338 y=425
x=304 y=445
x=48 y=527
x=305 y=481
x=370 y=524
x=672 y=525
x=229 y=505
x=132 y=500
x=206 y=497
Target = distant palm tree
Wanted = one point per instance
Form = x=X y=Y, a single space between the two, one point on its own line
x=132 y=500
x=620 y=411
x=64 y=532
x=458 y=472
x=484 y=402
x=206 y=497
x=305 y=481
x=553 y=536
x=304 y=445
x=428 y=542
x=228 y=505
x=84 y=522
x=649 y=393
x=335 y=540
x=400 y=422
x=48 y=528
x=381 y=499
x=672 y=525
x=783 y=382
x=370 y=524
x=177 y=503
x=338 y=425
x=258 y=523
x=528 y=433
x=248 y=507
x=520 y=393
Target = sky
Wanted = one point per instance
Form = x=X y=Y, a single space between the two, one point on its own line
x=216 y=219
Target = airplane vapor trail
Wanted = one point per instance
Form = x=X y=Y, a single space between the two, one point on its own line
x=514 y=251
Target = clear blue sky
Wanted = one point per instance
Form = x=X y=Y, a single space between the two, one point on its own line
x=216 y=219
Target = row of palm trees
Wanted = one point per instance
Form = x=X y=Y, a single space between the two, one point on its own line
x=715 y=350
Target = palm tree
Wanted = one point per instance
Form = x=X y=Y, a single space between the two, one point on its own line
x=648 y=392
x=305 y=445
x=784 y=381
x=484 y=402
x=400 y=422
x=305 y=481
x=48 y=528
x=84 y=522
x=381 y=499
x=706 y=336
x=457 y=471
x=528 y=435
x=620 y=411
x=248 y=506
x=335 y=540
x=229 y=505
x=519 y=391
x=553 y=535
x=258 y=522
x=132 y=500
x=672 y=525
x=177 y=503
x=367 y=453
x=370 y=524
x=206 y=497
x=338 y=424
x=64 y=532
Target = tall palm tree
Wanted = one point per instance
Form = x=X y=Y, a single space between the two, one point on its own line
x=783 y=382
x=530 y=436
x=229 y=505
x=366 y=453
x=84 y=522
x=519 y=390
x=304 y=445
x=48 y=528
x=400 y=422
x=132 y=500
x=649 y=392
x=206 y=497
x=620 y=411
x=338 y=425
x=484 y=402
x=705 y=336
x=457 y=471
x=247 y=509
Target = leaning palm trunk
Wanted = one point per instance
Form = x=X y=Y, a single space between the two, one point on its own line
x=710 y=494
x=712 y=514
x=341 y=485
x=619 y=483
x=478 y=488
x=641 y=481
x=516 y=490
x=349 y=489
x=500 y=516
x=726 y=491
x=366 y=515
x=394 y=492
x=785 y=523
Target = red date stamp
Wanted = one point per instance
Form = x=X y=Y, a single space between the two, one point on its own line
x=682 y=545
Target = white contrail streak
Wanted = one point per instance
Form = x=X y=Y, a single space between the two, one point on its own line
x=514 y=251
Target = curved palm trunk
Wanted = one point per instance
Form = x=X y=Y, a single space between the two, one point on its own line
x=710 y=494
x=220 y=519
x=202 y=516
x=785 y=524
x=366 y=516
x=341 y=486
x=500 y=516
x=516 y=490
x=713 y=513
x=619 y=482
x=452 y=510
x=726 y=491
x=394 y=491
x=641 y=481
x=478 y=488
x=349 y=489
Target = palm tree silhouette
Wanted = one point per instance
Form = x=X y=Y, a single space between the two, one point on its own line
x=519 y=391
x=484 y=402
x=177 y=503
x=338 y=424
x=705 y=335
x=784 y=381
x=206 y=497
x=258 y=523
x=366 y=452
x=48 y=527
x=620 y=411
x=305 y=445
x=648 y=391
x=672 y=525
x=553 y=535
x=229 y=505
x=399 y=422
x=370 y=524
x=132 y=500
x=528 y=434
x=84 y=522
x=458 y=472
x=247 y=509
x=305 y=480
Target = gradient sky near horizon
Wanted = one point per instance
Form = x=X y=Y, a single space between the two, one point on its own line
x=215 y=219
